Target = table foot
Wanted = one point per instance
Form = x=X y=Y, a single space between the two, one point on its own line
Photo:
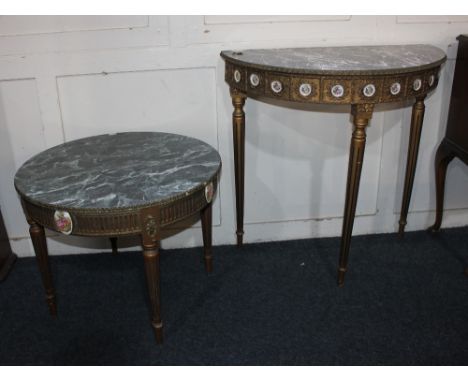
x=240 y=238
x=208 y=265
x=113 y=241
x=433 y=229
x=401 y=229
x=158 y=331
x=52 y=305
x=341 y=276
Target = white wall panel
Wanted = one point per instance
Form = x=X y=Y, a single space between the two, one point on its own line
x=283 y=31
x=21 y=136
x=20 y=25
x=53 y=34
x=296 y=163
x=246 y=19
x=430 y=19
x=179 y=101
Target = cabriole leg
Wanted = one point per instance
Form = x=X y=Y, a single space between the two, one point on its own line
x=444 y=156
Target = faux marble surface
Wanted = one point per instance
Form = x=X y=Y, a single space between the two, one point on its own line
x=340 y=59
x=117 y=170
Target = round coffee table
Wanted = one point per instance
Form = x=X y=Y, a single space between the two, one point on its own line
x=115 y=185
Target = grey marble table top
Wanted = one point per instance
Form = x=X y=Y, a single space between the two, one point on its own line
x=117 y=170
x=341 y=60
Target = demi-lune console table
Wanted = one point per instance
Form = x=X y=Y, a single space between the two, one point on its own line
x=360 y=76
x=115 y=185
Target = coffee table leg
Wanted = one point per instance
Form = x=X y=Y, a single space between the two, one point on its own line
x=151 y=258
x=361 y=116
x=206 y=219
x=40 y=248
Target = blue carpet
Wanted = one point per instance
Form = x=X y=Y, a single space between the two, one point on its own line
x=405 y=302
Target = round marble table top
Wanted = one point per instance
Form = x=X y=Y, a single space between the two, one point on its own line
x=341 y=60
x=117 y=170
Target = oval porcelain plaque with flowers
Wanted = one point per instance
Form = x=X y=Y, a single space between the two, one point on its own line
x=63 y=222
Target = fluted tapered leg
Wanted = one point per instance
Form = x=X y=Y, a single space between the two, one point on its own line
x=238 y=124
x=206 y=220
x=417 y=119
x=151 y=258
x=444 y=156
x=361 y=116
x=40 y=248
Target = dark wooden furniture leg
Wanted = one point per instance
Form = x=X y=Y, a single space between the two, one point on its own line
x=444 y=156
x=151 y=259
x=361 y=116
x=7 y=257
x=113 y=241
x=417 y=119
x=40 y=247
x=238 y=125
x=206 y=220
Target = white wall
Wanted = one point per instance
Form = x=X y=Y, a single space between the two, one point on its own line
x=63 y=78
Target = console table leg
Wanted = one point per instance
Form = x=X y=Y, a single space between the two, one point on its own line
x=151 y=258
x=444 y=156
x=238 y=124
x=417 y=118
x=38 y=239
x=361 y=116
x=206 y=220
